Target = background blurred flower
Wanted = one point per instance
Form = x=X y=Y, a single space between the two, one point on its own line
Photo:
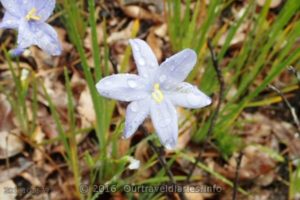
x=155 y=91
x=28 y=17
x=133 y=163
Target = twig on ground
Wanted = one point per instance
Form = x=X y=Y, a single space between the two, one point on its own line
x=236 y=179
x=114 y=64
x=162 y=161
x=216 y=112
x=296 y=73
x=288 y=105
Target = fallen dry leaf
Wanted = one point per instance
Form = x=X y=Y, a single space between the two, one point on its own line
x=14 y=171
x=157 y=3
x=137 y=12
x=274 y=3
x=10 y=144
x=5 y=110
x=161 y=31
x=85 y=106
x=8 y=190
x=123 y=34
x=155 y=43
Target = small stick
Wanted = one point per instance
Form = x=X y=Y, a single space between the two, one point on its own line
x=162 y=161
x=216 y=113
x=288 y=105
x=296 y=73
x=114 y=63
x=236 y=179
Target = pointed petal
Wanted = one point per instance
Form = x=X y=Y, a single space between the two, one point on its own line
x=25 y=35
x=144 y=57
x=164 y=118
x=176 y=68
x=9 y=21
x=188 y=96
x=136 y=113
x=123 y=87
x=40 y=34
x=14 y=7
x=44 y=8
x=47 y=39
x=16 y=52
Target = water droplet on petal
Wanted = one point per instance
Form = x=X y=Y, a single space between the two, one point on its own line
x=126 y=98
x=134 y=106
x=105 y=93
x=152 y=65
x=168 y=86
x=145 y=74
x=128 y=130
x=193 y=99
x=132 y=83
x=162 y=78
x=172 y=68
x=208 y=100
x=170 y=144
x=107 y=83
x=164 y=122
x=141 y=61
x=135 y=47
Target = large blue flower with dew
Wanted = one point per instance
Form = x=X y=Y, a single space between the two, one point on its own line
x=29 y=17
x=155 y=91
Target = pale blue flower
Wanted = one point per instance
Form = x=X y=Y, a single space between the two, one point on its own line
x=29 y=17
x=155 y=91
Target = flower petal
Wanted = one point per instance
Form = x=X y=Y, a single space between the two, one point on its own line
x=14 y=7
x=44 y=8
x=16 y=52
x=47 y=39
x=134 y=163
x=25 y=36
x=9 y=21
x=176 y=68
x=144 y=57
x=136 y=113
x=40 y=34
x=164 y=118
x=188 y=96
x=123 y=87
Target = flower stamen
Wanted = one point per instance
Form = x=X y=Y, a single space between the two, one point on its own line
x=31 y=15
x=157 y=95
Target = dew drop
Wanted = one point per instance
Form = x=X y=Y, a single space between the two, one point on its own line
x=128 y=130
x=152 y=65
x=105 y=93
x=107 y=83
x=162 y=78
x=193 y=99
x=141 y=61
x=170 y=144
x=132 y=83
x=134 y=107
x=145 y=74
x=135 y=47
x=168 y=86
x=165 y=122
x=172 y=68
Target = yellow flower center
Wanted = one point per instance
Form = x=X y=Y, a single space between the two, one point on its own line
x=31 y=15
x=157 y=95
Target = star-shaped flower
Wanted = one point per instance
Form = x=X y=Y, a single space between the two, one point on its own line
x=155 y=91
x=29 y=18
